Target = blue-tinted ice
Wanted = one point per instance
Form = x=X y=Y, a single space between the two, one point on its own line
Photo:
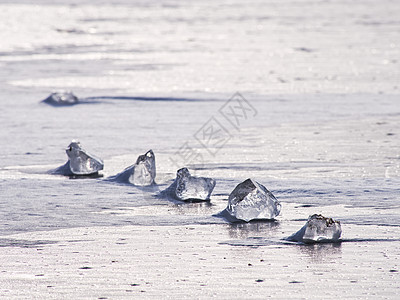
x=61 y=98
x=142 y=173
x=187 y=187
x=80 y=162
x=318 y=229
x=250 y=200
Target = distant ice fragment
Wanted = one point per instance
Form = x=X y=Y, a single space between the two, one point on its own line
x=250 y=200
x=61 y=98
x=142 y=173
x=79 y=162
x=187 y=187
x=318 y=229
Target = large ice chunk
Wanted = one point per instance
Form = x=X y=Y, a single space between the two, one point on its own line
x=318 y=229
x=142 y=173
x=61 y=98
x=188 y=187
x=79 y=162
x=251 y=200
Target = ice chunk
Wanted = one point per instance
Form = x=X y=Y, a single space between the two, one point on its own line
x=61 y=98
x=251 y=200
x=187 y=187
x=142 y=173
x=318 y=229
x=81 y=162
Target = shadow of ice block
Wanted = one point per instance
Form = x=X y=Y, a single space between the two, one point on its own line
x=250 y=200
x=318 y=229
x=80 y=162
x=61 y=98
x=187 y=187
x=142 y=173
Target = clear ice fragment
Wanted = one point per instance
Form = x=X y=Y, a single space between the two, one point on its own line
x=81 y=162
x=250 y=200
x=61 y=98
x=187 y=187
x=318 y=229
x=142 y=173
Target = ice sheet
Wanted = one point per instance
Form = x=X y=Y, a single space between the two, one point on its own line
x=321 y=134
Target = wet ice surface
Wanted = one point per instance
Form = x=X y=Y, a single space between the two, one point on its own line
x=324 y=82
x=43 y=203
x=149 y=75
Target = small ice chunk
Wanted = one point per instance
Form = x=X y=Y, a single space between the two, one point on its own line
x=251 y=200
x=318 y=229
x=187 y=187
x=61 y=98
x=142 y=173
x=81 y=162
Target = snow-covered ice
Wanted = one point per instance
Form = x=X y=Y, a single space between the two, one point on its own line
x=318 y=229
x=251 y=200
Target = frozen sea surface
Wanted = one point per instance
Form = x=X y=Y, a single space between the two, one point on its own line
x=323 y=82
x=318 y=126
